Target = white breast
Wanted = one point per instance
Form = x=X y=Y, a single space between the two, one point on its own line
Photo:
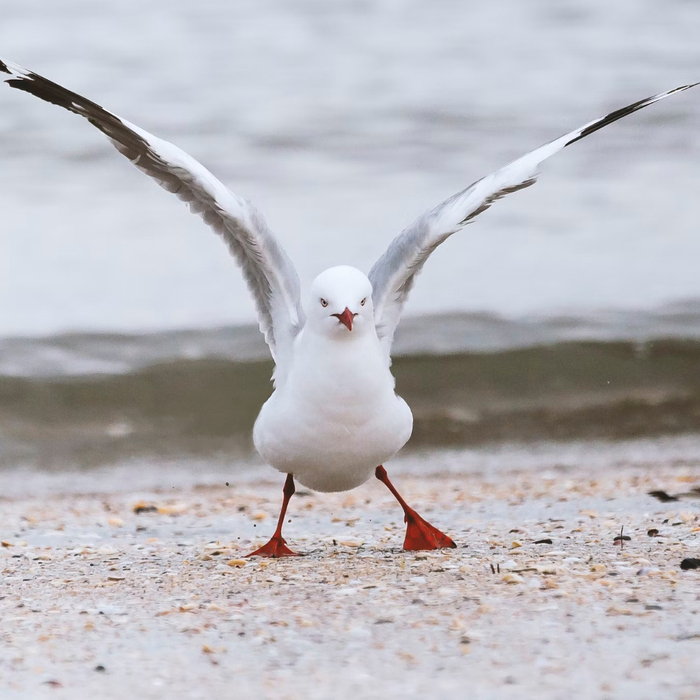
x=336 y=417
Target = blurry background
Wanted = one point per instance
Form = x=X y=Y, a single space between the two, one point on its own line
x=567 y=312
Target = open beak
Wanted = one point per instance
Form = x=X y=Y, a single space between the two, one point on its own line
x=346 y=318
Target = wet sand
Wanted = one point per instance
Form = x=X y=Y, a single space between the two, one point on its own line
x=97 y=600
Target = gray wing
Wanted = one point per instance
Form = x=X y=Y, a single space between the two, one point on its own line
x=393 y=275
x=267 y=269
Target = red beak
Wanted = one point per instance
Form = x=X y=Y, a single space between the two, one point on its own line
x=345 y=318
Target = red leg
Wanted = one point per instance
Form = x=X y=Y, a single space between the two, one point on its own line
x=277 y=546
x=419 y=533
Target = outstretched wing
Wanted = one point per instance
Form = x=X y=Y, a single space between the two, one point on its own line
x=393 y=274
x=267 y=269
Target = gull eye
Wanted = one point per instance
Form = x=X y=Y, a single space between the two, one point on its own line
x=324 y=303
x=362 y=303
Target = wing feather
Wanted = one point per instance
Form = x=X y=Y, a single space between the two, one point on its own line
x=268 y=271
x=393 y=275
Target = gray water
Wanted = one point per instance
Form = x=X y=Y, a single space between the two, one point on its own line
x=343 y=121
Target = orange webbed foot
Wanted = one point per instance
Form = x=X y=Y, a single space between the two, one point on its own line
x=275 y=548
x=421 y=535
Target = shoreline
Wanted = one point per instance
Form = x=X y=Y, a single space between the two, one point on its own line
x=202 y=406
x=156 y=473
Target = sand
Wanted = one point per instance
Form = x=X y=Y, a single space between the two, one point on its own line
x=98 y=601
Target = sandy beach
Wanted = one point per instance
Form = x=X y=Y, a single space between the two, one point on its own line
x=135 y=592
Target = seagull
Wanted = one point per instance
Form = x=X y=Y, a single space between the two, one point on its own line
x=334 y=417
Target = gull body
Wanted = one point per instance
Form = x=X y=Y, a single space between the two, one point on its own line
x=334 y=415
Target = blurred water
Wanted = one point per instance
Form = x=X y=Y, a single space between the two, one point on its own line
x=180 y=405
x=343 y=121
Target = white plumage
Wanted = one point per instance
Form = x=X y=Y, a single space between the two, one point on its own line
x=335 y=417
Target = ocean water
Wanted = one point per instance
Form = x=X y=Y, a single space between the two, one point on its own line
x=567 y=312
x=472 y=381
x=343 y=121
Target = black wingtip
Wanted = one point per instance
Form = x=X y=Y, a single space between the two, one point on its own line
x=686 y=87
x=625 y=111
x=609 y=119
x=108 y=123
x=3 y=67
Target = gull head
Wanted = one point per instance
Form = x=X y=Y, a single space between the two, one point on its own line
x=340 y=303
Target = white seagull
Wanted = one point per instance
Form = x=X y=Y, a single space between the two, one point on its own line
x=333 y=416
